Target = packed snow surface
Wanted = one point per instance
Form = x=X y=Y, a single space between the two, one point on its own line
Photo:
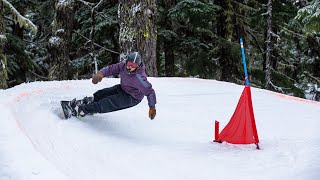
x=36 y=143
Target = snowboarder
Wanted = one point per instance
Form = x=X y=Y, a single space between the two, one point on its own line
x=130 y=92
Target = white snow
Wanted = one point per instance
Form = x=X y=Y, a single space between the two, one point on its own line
x=2 y=37
x=37 y=143
x=64 y=3
x=135 y=8
x=60 y=31
x=54 y=40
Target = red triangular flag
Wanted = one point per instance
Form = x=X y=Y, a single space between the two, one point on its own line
x=241 y=128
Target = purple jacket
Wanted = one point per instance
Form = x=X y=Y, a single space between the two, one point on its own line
x=133 y=83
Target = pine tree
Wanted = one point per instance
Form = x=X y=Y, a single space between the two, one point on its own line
x=167 y=36
x=60 y=43
x=96 y=38
x=226 y=29
x=192 y=37
x=17 y=19
x=3 y=58
x=268 y=46
x=310 y=17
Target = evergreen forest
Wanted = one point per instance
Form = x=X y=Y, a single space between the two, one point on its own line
x=46 y=40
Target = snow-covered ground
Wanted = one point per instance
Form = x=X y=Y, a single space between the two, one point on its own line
x=36 y=143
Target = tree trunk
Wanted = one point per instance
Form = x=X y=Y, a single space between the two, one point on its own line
x=158 y=55
x=115 y=42
x=3 y=58
x=225 y=29
x=268 y=46
x=169 y=61
x=168 y=45
x=138 y=31
x=92 y=49
x=60 y=43
x=17 y=30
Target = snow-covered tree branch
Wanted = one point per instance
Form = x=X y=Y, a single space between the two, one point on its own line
x=18 y=18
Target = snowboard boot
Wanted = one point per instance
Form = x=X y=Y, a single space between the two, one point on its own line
x=81 y=111
x=86 y=100
x=77 y=106
x=73 y=105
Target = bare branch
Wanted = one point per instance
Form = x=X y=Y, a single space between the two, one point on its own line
x=312 y=77
x=277 y=88
x=96 y=43
x=292 y=32
x=99 y=3
x=283 y=75
x=255 y=39
x=86 y=3
x=275 y=35
x=42 y=77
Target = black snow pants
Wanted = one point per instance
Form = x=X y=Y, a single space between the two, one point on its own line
x=110 y=99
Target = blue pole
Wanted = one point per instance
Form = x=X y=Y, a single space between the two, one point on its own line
x=244 y=63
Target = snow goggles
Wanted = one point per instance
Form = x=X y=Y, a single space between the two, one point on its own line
x=132 y=64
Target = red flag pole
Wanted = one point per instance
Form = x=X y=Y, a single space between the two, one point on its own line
x=216 y=131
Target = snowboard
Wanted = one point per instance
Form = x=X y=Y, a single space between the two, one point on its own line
x=68 y=111
x=70 y=107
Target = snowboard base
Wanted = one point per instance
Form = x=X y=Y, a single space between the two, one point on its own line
x=67 y=109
